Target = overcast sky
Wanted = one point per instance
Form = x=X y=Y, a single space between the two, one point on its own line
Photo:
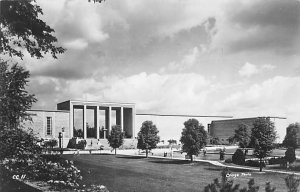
x=233 y=57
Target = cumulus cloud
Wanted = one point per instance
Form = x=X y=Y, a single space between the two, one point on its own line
x=248 y=69
x=260 y=25
x=76 y=44
x=187 y=62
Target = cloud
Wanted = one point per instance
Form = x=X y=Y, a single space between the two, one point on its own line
x=187 y=62
x=248 y=70
x=271 y=25
x=188 y=93
x=76 y=44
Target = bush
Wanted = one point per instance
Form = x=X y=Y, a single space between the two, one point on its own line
x=229 y=160
x=72 y=143
x=274 y=160
x=81 y=144
x=290 y=155
x=51 y=143
x=238 y=157
x=254 y=163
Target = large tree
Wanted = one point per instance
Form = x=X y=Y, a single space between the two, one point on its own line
x=14 y=99
x=148 y=137
x=21 y=29
x=116 y=137
x=263 y=136
x=242 y=135
x=193 y=137
x=290 y=139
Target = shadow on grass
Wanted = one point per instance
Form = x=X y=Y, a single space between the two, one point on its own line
x=131 y=157
x=178 y=162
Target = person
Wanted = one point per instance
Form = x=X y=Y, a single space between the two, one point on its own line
x=204 y=151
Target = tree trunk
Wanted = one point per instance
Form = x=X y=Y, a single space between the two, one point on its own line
x=146 y=153
x=191 y=158
x=260 y=165
x=115 y=151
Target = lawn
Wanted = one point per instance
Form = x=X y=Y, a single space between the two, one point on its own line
x=129 y=173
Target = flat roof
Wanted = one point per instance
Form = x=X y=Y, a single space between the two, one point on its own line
x=97 y=102
x=45 y=110
x=247 y=118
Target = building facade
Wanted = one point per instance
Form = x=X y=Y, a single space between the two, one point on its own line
x=83 y=119
x=223 y=129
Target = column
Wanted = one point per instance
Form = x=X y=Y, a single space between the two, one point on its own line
x=84 y=122
x=97 y=121
x=109 y=119
x=122 y=119
x=71 y=121
x=133 y=122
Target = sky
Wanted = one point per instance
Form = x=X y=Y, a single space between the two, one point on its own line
x=198 y=57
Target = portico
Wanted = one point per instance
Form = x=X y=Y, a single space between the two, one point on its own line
x=89 y=119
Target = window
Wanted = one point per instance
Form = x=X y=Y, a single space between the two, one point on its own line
x=49 y=125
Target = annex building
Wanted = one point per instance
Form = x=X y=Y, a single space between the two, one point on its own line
x=87 y=120
x=223 y=129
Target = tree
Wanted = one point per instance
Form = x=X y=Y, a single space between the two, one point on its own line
x=116 y=137
x=242 y=135
x=172 y=141
x=22 y=29
x=238 y=157
x=290 y=155
x=292 y=182
x=290 y=139
x=148 y=137
x=18 y=144
x=263 y=136
x=14 y=99
x=214 y=140
x=193 y=137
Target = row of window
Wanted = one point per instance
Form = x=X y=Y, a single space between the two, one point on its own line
x=49 y=126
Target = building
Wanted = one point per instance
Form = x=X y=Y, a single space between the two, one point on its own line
x=223 y=129
x=83 y=119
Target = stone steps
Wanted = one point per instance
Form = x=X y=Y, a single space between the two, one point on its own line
x=95 y=144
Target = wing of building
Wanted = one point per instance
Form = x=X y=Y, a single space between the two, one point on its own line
x=223 y=129
x=83 y=119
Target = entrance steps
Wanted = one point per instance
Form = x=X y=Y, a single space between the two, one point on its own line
x=92 y=143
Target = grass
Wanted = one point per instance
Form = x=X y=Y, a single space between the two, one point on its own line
x=128 y=173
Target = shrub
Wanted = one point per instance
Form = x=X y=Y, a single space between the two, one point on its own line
x=290 y=155
x=51 y=143
x=292 y=183
x=274 y=160
x=253 y=163
x=238 y=157
x=81 y=144
x=72 y=143
x=229 y=160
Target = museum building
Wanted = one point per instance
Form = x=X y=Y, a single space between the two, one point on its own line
x=223 y=129
x=87 y=120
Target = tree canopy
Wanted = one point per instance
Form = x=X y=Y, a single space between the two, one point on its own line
x=148 y=136
x=116 y=137
x=263 y=136
x=14 y=99
x=242 y=135
x=20 y=28
x=193 y=137
x=290 y=139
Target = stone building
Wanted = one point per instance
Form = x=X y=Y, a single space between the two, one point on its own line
x=223 y=129
x=87 y=120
